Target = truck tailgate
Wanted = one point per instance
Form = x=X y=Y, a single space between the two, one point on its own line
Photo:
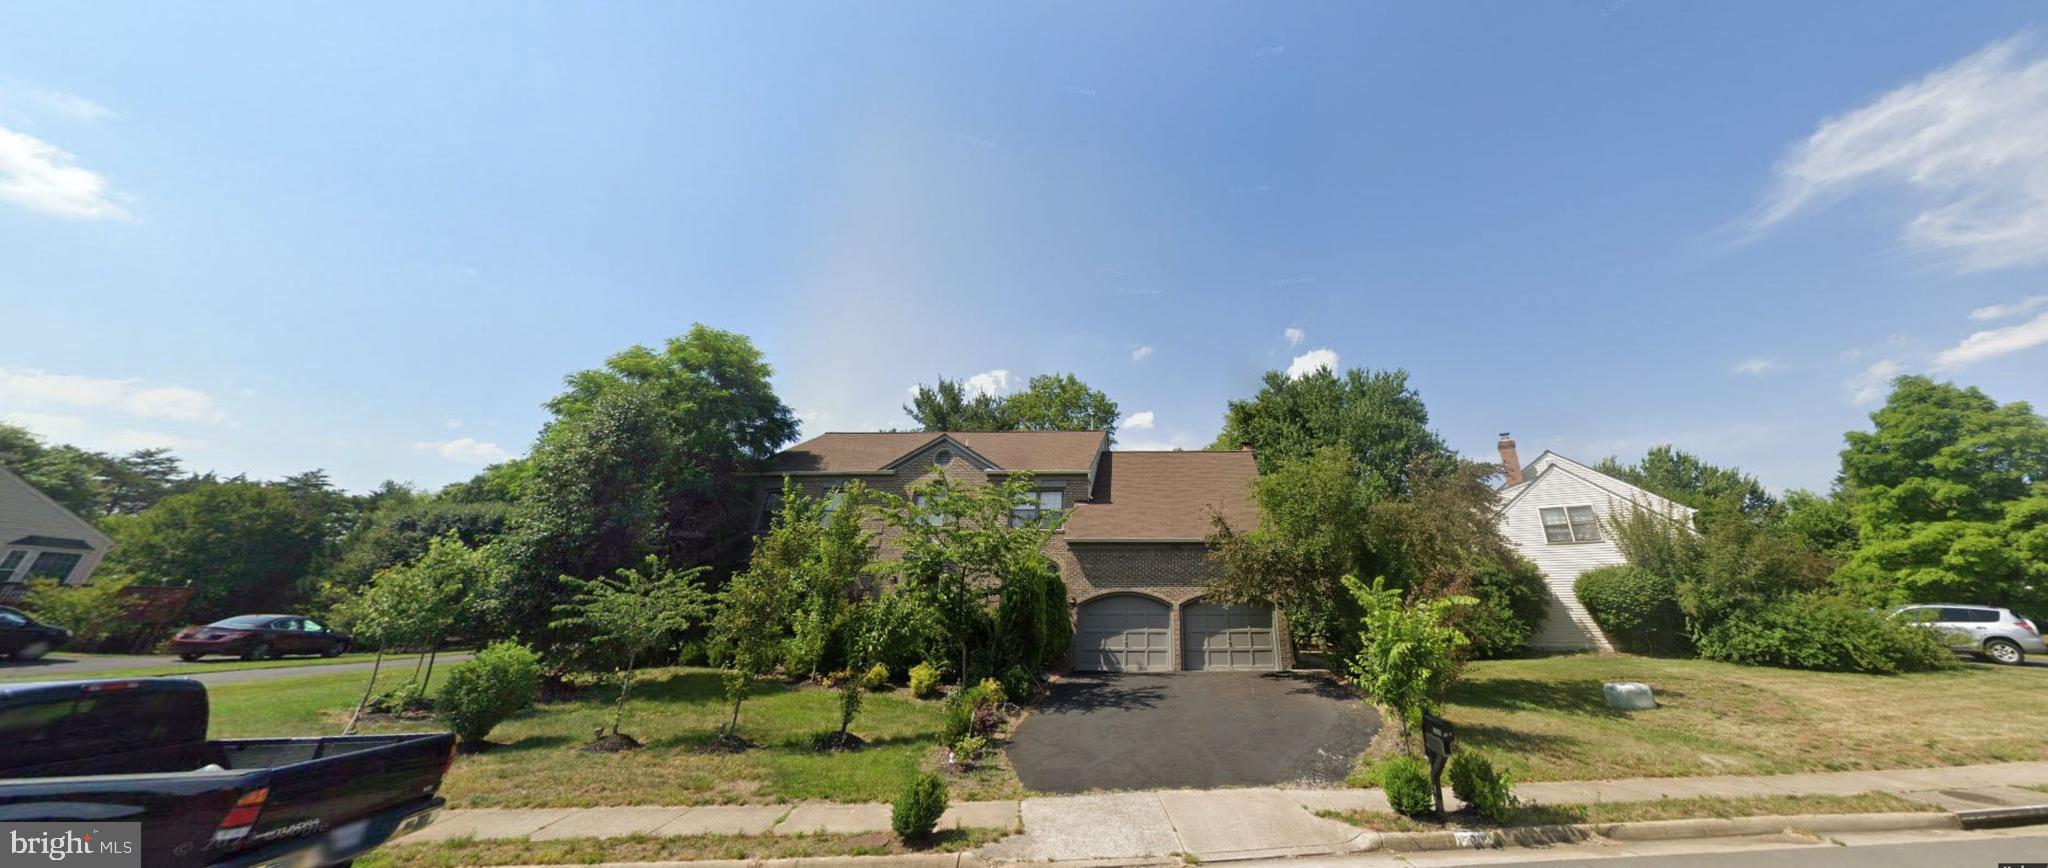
x=318 y=784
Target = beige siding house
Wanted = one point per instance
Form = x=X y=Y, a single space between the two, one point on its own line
x=40 y=539
x=1554 y=511
x=1131 y=551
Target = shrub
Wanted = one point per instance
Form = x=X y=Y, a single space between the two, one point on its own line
x=1478 y=783
x=924 y=681
x=968 y=749
x=1638 y=609
x=1405 y=780
x=1511 y=606
x=499 y=682
x=93 y=613
x=1408 y=651
x=916 y=812
x=405 y=697
x=959 y=719
x=876 y=678
x=1806 y=631
x=990 y=692
x=834 y=678
x=1018 y=683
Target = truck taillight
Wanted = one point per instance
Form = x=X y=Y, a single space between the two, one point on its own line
x=242 y=817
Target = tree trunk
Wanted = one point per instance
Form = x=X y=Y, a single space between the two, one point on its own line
x=416 y=664
x=733 y=729
x=625 y=684
x=374 y=666
x=432 y=651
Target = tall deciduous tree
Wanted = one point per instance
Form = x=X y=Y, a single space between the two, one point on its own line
x=644 y=456
x=1048 y=402
x=246 y=547
x=1373 y=415
x=1685 y=478
x=1950 y=496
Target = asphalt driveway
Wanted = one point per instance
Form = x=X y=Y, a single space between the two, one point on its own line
x=1172 y=730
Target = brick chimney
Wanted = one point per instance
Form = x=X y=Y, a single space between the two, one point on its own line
x=1509 y=459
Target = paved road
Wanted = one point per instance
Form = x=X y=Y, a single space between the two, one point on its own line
x=1167 y=730
x=1928 y=849
x=56 y=667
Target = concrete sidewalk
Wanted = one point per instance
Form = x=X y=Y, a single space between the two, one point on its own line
x=1211 y=825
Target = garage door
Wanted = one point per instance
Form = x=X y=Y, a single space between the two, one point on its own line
x=1228 y=637
x=1115 y=634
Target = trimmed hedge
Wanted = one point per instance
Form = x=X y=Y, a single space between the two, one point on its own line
x=1805 y=631
x=916 y=812
x=1510 y=611
x=1478 y=783
x=1405 y=780
x=500 y=681
x=1636 y=608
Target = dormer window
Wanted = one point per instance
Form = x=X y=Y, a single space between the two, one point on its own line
x=1570 y=524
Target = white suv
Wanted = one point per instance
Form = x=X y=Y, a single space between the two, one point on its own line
x=1983 y=630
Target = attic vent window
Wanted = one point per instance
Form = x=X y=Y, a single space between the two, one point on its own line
x=944 y=457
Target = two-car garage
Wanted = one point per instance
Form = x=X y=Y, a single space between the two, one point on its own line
x=1129 y=633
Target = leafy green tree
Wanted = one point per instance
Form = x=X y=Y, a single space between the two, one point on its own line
x=1048 y=402
x=399 y=530
x=1687 y=479
x=633 y=615
x=245 y=546
x=1823 y=524
x=403 y=606
x=504 y=482
x=1372 y=415
x=1409 y=652
x=644 y=457
x=1061 y=402
x=987 y=576
x=820 y=551
x=66 y=474
x=748 y=630
x=93 y=612
x=946 y=407
x=1950 y=496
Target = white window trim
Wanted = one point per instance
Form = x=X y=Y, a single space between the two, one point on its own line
x=1571 y=526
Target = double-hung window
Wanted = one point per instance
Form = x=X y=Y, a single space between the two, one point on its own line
x=1570 y=524
x=1040 y=505
x=11 y=562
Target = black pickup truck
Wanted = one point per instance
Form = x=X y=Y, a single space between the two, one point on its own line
x=137 y=751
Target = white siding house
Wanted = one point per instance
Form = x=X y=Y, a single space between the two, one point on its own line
x=40 y=539
x=1554 y=511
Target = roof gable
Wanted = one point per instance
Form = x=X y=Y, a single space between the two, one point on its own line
x=12 y=486
x=1550 y=462
x=879 y=452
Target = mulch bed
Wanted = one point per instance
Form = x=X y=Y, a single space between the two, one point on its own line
x=614 y=743
x=832 y=742
x=724 y=743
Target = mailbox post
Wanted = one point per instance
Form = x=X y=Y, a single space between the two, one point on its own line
x=1437 y=741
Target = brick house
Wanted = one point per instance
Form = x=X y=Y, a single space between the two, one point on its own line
x=1131 y=551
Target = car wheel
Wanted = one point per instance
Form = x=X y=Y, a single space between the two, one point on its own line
x=2004 y=652
x=260 y=652
x=190 y=657
x=32 y=651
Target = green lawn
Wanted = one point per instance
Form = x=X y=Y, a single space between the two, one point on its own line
x=1550 y=718
x=1660 y=809
x=673 y=712
x=645 y=848
x=175 y=667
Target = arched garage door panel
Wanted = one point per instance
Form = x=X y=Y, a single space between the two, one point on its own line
x=1116 y=634
x=1228 y=637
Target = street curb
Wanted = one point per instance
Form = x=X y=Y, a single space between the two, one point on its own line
x=908 y=860
x=1993 y=818
x=1669 y=830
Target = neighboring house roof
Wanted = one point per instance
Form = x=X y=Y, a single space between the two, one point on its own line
x=53 y=542
x=1012 y=451
x=82 y=529
x=1620 y=489
x=1161 y=496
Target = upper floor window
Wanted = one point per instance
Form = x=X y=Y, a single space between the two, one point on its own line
x=1569 y=524
x=10 y=562
x=1043 y=504
x=833 y=500
x=925 y=514
x=771 y=506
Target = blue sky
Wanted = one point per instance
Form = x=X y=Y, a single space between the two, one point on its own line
x=373 y=237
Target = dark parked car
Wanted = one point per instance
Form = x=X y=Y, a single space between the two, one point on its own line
x=25 y=638
x=136 y=751
x=259 y=637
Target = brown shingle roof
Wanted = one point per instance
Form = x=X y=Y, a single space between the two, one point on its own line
x=1166 y=496
x=856 y=452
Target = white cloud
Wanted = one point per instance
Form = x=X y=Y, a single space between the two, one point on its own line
x=1755 y=366
x=1295 y=337
x=42 y=388
x=1312 y=361
x=68 y=105
x=81 y=432
x=1140 y=421
x=1970 y=139
x=1141 y=353
x=1873 y=382
x=2018 y=308
x=41 y=177
x=1992 y=343
x=451 y=424
x=466 y=450
x=993 y=382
